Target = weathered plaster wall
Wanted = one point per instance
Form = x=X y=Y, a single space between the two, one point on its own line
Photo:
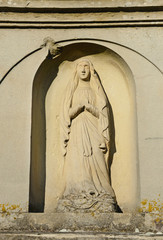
x=16 y=100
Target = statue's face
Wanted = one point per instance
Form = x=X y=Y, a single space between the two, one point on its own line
x=83 y=70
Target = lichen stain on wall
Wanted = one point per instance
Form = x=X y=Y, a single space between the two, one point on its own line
x=7 y=209
x=155 y=208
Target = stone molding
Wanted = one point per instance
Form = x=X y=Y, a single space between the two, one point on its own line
x=83 y=5
x=79 y=236
x=15 y=21
x=80 y=14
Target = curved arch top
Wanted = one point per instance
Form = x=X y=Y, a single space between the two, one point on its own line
x=82 y=40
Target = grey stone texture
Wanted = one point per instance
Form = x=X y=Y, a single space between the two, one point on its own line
x=87 y=222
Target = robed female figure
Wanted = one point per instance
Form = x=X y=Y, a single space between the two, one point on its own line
x=85 y=138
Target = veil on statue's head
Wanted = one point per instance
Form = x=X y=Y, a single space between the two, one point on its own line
x=101 y=104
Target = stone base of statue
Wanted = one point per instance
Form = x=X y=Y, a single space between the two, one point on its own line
x=103 y=203
x=85 y=223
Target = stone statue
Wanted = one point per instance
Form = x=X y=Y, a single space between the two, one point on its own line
x=85 y=140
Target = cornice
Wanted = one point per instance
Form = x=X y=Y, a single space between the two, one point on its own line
x=71 y=6
x=80 y=14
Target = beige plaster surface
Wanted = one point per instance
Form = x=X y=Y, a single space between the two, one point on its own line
x=15 y=133
x=16 y=92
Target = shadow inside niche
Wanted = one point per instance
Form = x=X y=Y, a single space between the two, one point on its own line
x=45 y=75
x=118 y=209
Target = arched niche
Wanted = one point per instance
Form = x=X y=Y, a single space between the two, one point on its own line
x=46 y=159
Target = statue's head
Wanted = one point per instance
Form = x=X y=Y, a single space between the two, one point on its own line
x=83 y=70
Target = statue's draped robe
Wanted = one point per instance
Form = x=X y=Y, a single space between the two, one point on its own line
x=85 y=168
x=85 y=140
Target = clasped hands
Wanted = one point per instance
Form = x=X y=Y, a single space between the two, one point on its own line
x=86 y=106
x=75 y=111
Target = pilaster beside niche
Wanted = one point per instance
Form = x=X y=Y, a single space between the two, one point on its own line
x=47 y=162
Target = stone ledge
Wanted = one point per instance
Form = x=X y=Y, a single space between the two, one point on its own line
x=89 y=222
x=78 y=236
